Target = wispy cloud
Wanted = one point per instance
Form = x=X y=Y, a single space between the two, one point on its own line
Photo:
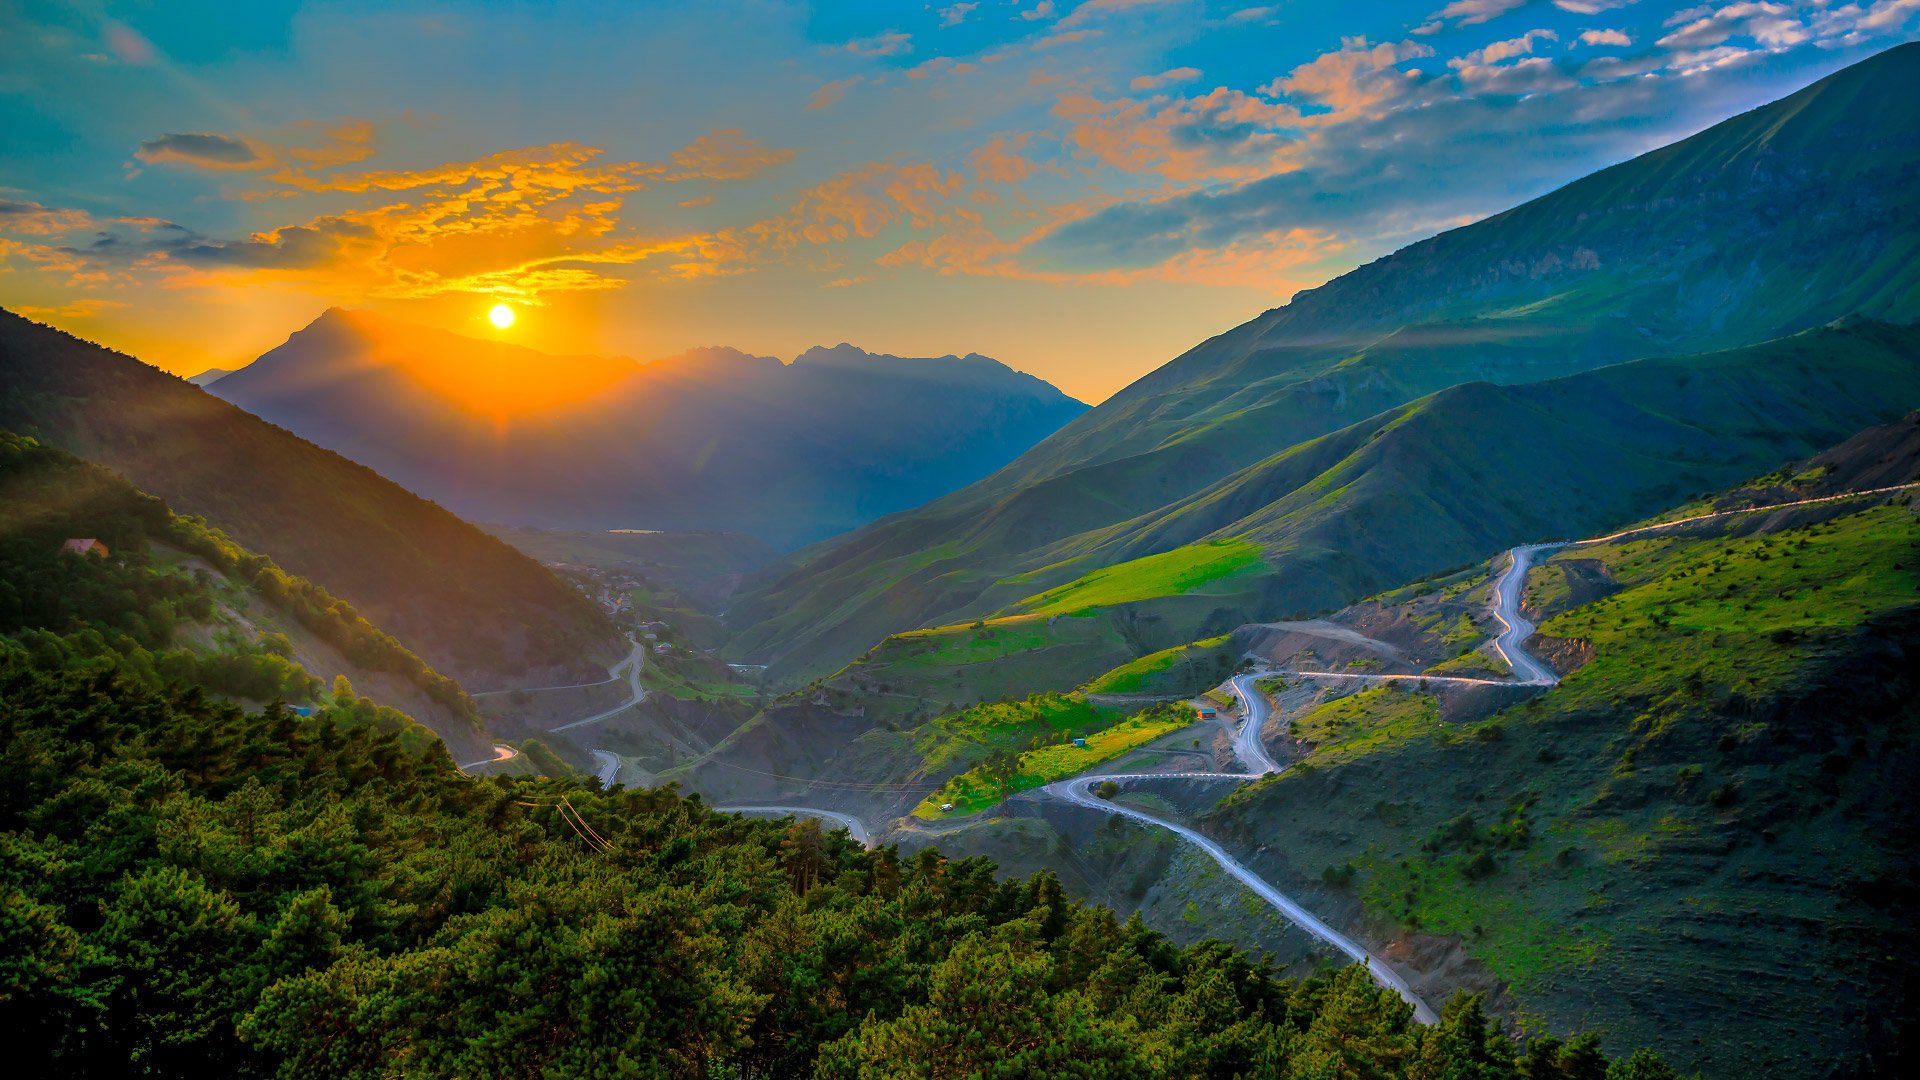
x=1169 y=77
x=205 y=150
x=830 y=93
x=726 y=154
x=891 y=43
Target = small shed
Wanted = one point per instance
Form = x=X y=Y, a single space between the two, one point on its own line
x=1080 y=743
x=85 y=546
x=1206 y=712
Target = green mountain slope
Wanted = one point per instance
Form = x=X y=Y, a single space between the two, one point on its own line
x=470 y=604
x=1773 y=222
x=166 y=599
x=1713 y=801
x=1400 y=495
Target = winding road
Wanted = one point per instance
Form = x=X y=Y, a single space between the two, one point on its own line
x=1248 y=746
x=1079 y=792
x=1250 y=749
x=1508 y=592
x=501 y=752
x=636 y=693
x=854 y=826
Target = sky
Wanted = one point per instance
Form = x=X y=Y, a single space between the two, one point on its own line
x=1082 y=190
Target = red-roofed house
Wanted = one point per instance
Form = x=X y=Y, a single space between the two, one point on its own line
x=87 y=546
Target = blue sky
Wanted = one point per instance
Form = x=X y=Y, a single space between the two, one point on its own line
x=1081 y=189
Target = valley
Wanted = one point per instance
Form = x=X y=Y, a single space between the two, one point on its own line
x=1498 y=660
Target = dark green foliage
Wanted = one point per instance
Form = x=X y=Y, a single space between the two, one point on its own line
x=187 y=889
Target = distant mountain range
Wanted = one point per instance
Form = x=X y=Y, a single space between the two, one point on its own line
x=712 y=439
x=1290 y=430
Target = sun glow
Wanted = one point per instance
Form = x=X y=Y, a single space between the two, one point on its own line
x=501 y=316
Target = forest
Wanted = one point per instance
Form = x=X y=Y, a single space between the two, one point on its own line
x=193 y=889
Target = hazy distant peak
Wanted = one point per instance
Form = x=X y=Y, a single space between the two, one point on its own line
x=706 y=362
x=973 y=369
x=210 y=376
x=853 y=355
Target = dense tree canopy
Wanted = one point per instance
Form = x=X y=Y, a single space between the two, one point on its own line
x=192 y=889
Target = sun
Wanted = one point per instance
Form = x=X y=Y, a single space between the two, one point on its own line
x=501 y=316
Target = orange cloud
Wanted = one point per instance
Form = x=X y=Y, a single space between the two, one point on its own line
x=861 y=202
x=1276 y=262
x=1355 y=78
x=519 y=223
x=830 y=93
x=84 y=308
x=556 y=167
x=1223 y=134
x=1000 y=162
x=33 y=219
x=726 y=154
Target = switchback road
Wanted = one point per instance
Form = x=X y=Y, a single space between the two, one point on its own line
x=854 y=826
x=1509 y=591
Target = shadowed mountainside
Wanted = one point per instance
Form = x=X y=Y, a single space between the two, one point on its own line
x=469 y=604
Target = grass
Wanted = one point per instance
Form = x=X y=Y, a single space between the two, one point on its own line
x=1806 y=579
x=681 y=678
x=1171 y=573
x=1712 y=781
x=1169 y=670
x=913 y=675
x=973 y=790
x=972 y=643
x=1473 y=662
x=1366 y=722
x=957 y=741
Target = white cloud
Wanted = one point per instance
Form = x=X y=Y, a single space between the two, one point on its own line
x=1590 y=7
x=1472 y=12
x=1605 y=37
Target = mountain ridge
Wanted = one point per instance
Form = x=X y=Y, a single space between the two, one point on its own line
x=1784 y=218
x=468 y=603
x=712 y=439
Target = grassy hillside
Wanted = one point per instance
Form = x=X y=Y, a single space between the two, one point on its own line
x=1713 y=803
x=1008 y=772
x=1774 y=222
x=1181 y=669
x=1402 y=494
x=469 y=604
